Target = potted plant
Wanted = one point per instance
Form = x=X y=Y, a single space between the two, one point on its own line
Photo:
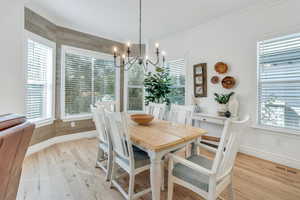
x=157 y=86
x=222 y=100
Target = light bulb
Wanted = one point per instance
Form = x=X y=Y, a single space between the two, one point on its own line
x=115 y=49
x=156 y=45
x=123 y=56
x=147 y=57
x=163 y=53
x=128 y=44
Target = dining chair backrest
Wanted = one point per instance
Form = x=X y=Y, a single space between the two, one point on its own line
x=98 y=118
x=108 y=105
x=229 y=146
x=181 y=114
x=157 y=110
x=118 y=130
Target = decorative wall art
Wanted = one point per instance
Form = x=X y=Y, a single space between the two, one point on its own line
x=228 y=82
x=221 y=67
x=200 y=80
x=214 y=80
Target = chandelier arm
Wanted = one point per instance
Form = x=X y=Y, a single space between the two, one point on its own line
x=132 y=59
x=130 y=64
x=129 y=67
x=154 y=63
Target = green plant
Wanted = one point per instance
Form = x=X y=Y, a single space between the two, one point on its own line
x=223 y=98
x=157 y=87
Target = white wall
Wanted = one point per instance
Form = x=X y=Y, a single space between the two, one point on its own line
x=232 y=39
x=11 y=70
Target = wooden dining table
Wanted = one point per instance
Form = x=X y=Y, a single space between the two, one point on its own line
x=158 y=139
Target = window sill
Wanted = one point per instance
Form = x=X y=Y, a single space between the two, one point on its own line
x=77 y=118
x=136 y=112
x=283 y=131
x=41 y=123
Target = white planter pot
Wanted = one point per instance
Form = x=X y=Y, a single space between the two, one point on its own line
x=222 y=108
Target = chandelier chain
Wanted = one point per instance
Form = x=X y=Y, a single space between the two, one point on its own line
x=140 y=31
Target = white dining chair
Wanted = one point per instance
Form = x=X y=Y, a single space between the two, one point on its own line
x=133 y=162
x=108 y=105
x=104 y=144
x=181 y=114
x=157 y=110
x=206 y=177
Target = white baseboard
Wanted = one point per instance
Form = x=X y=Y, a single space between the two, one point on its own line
x=59 y=139
x=284 y=160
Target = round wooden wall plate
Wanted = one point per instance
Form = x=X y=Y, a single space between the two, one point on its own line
x=228 y=82
x=221 y=67
x=214 y=80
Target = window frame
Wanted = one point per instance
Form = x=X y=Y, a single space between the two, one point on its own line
x=84 y=52
x=258 y=124
x=185 y=86
x=36 y=38
x=126 y=90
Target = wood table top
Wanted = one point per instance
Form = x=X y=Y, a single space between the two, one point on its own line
x=160 y=135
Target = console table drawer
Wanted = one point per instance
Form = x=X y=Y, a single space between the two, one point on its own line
x=209 y=120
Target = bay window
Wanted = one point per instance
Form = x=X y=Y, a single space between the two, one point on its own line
x=87 y=77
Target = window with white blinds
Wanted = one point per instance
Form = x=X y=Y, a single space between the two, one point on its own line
x=279 y=82
x=135 y=88
x=176 y=69
x=87 y=77
x=39 y=78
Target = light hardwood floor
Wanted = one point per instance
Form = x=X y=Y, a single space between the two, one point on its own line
x=66 y=172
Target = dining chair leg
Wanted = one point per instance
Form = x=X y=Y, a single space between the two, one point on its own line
x=109 y=167
x=230 y=192
x=163 y=175
x=170 y=181
x=170 y=188
x=212 y=190
x=113 y=173
x=100 y=156
x=131 y=187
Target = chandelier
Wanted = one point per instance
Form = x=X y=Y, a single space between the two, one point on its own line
x=127 y=60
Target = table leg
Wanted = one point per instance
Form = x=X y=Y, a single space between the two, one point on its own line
x=155 y=176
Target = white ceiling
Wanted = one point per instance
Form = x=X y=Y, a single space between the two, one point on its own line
x=118 y=19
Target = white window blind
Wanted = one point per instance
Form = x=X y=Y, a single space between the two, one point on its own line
x=135 y=88
x=87 y=79
x=176 y=69
x=279 y=82
x=39 y=81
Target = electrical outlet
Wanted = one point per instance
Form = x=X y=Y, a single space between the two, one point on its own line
x=73 y=124
x=291 y=171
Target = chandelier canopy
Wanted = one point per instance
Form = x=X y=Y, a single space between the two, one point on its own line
x=127 y=60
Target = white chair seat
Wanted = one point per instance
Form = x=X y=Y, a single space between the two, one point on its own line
x=192 y=176
x=141 y=158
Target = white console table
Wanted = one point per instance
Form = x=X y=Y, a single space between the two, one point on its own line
x=210 y=118
x=211 y=122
